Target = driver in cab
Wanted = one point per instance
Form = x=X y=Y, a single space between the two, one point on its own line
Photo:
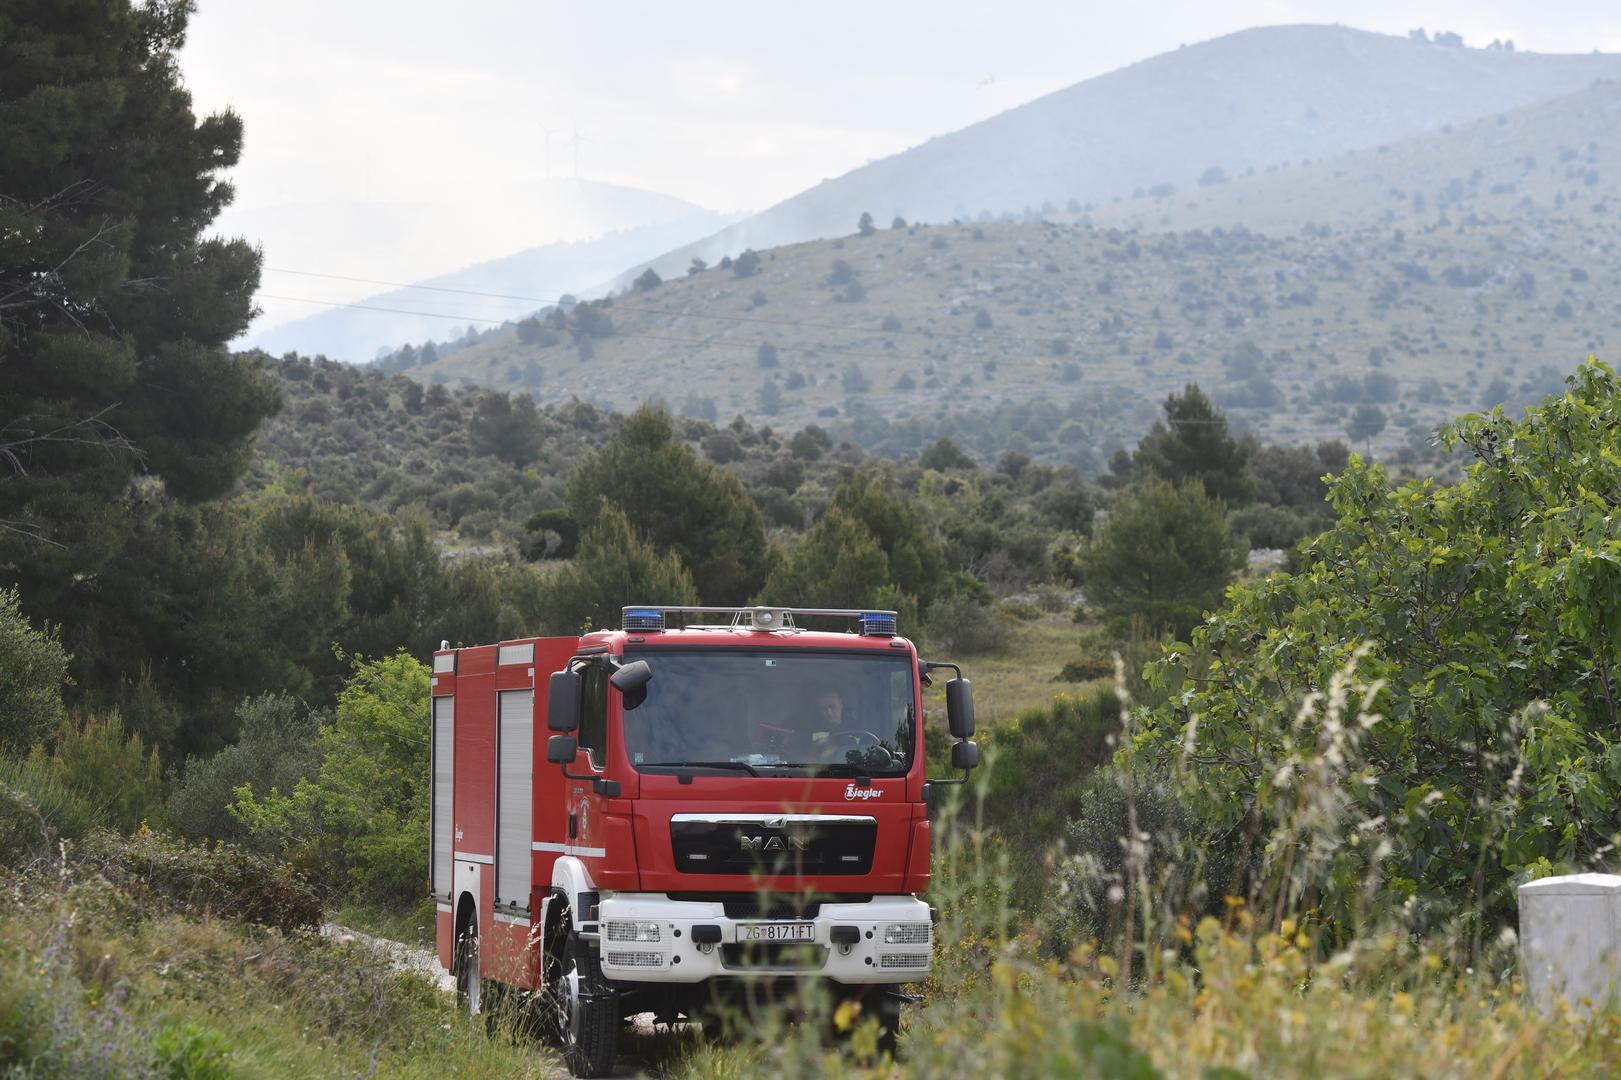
x=827 y=727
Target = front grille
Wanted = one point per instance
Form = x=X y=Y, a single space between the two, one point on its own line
x=780 y=955
x=633 y=959
x=772 y=905
x=834 y=847
x=904 y=961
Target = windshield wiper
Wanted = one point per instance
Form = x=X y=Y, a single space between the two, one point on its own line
x=841 y=768
x=736 y=765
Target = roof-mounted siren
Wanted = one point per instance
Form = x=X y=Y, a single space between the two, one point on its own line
x=877 y=624
x=643 y=618
x=765 y=618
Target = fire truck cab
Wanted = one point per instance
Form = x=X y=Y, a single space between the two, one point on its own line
x=663 y=817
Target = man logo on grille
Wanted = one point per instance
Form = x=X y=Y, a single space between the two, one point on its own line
x=774 y=843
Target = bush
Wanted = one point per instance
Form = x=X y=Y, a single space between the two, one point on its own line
x=67 y=814
x=1190 y=867
x=108 y=769
x=1477 y=621
x=1096 y=661
x=1164 y=556
x=33 y=670
x=359 y=825
x=276 y=748
x=965 y=625
x=1263 y=526
x=24 y=835
x=195 y=880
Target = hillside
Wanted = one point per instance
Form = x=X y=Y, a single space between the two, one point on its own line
x=1246 y=101
x=1552 y=159
x=1067 y=337
x=518 y=283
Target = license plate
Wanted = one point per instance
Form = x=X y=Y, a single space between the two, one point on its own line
x=777 y=931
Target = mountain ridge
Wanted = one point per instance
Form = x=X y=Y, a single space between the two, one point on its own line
x=1419 y=86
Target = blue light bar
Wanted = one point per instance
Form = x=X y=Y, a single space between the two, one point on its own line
x=877 y=623
x=643 y=619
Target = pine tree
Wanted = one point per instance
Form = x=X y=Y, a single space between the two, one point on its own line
x=677 y=502
x=115 y=308
x=117 y=392
x=1193 y=442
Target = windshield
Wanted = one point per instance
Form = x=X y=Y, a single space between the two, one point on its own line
x=775 y=712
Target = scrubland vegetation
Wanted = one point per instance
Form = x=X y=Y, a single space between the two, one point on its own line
x=1237 y=818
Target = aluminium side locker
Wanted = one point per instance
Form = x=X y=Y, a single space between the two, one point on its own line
x=507 y=954
x=441 y=751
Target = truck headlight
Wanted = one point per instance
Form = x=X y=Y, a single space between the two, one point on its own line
x=906 y=934
x=631 y=930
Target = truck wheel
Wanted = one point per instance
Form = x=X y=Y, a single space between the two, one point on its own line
x=469 y=983
x=585 y=1011
x=887 y=1008
x=879 y=1003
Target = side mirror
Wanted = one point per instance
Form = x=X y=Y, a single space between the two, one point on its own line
x=563 y=701
x=964 y=756
x=631 y=676
x=631 y=681
x=562 y=749
x=959 y=708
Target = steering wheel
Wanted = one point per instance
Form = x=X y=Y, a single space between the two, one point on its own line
x=860 y=742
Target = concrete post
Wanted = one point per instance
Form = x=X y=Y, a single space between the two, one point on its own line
x=1570 y=938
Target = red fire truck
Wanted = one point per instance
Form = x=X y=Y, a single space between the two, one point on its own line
x=717 y=808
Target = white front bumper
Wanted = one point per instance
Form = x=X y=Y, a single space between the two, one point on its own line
x=675 y=958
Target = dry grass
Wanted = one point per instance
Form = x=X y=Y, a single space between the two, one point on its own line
x=1022 y=676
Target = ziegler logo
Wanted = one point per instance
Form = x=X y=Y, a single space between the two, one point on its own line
x=853 y=792
x=774 y=843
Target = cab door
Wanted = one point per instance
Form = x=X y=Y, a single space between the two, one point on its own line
x=587 y=809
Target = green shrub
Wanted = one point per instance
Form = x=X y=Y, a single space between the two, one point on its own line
x=1092 y=665
x=1460 y=640
x=276 y=748
x=964 y=625
x=360 y=824
x=1035 y=779
x=1164 y=556
x=1263 y=526
x=33 y=670
x=189 y=1052
x=1023 y=610
x=67 y=814
x=24 y=835
x=1189 y=868
x=107 y=768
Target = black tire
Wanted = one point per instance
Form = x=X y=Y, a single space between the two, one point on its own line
x=887 y=1008
x=469 y=983
x=585 y=1015
x=881 y=1004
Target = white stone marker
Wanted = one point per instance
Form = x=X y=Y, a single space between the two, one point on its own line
x=1570 y=937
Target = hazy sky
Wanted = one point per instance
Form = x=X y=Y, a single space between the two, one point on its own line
x=731 y=105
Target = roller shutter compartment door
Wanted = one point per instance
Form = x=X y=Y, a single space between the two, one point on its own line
x=444 y=748
x=514 y=801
